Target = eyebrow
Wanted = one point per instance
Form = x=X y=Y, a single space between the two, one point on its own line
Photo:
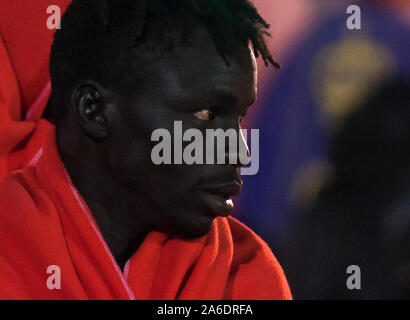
x=216 y=96
x=231 y=100
x=224 y=95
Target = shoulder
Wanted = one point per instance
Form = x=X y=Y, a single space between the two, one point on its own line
x=16 y=205
x=16 y=197
x=25 y=208
x=248 y=241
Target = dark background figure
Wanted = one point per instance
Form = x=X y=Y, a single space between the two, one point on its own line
x=362 y=214
x=328 y=71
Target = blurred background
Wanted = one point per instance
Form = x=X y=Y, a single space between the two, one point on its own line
x=333 y=189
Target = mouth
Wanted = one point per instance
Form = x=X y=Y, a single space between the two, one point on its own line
x=219 y=198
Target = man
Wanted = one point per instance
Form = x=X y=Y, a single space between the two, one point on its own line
x=91 y=216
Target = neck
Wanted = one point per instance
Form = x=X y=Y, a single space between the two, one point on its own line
x=111 y=204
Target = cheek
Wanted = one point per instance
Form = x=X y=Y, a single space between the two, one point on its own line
x=129 y=158
x=130 y=154
x=131 y=164
x=173 y=181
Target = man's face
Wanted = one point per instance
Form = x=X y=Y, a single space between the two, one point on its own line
x=193 y=85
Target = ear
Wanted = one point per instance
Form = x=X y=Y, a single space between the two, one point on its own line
x=90 y=104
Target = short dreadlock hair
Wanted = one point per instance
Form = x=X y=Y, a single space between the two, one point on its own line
x=101 y=39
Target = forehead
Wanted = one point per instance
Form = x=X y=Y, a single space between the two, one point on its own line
x=201 y=70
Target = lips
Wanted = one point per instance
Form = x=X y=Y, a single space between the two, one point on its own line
x=218 y=198
x=226 y=190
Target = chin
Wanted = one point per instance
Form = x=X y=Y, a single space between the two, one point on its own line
x=193 y=227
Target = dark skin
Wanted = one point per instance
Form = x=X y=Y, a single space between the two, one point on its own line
x=106 y=145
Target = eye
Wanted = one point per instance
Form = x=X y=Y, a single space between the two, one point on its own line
x=205 y=114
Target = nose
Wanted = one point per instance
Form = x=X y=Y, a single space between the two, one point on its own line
x=238 y=153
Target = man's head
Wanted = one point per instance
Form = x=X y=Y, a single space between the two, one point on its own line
x=122 y=69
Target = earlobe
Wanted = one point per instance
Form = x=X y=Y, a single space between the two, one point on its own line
x=91 y=108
